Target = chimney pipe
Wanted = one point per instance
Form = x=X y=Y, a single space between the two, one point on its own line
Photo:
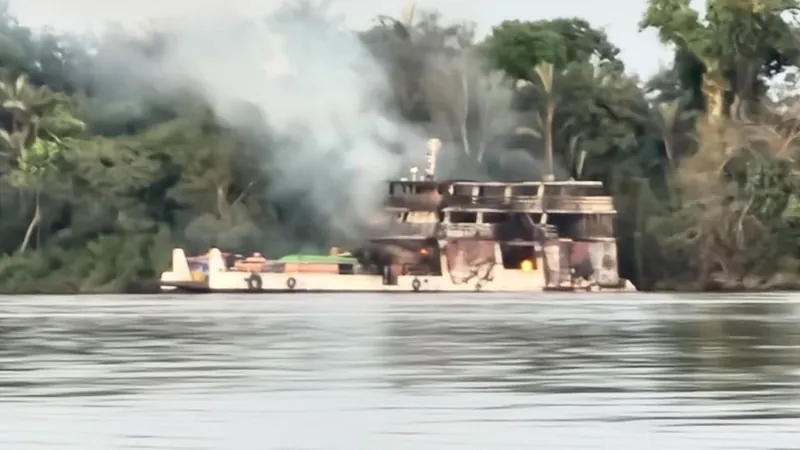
x=434 y=145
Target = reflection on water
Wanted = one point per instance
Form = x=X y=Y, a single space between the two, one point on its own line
x=368 y=372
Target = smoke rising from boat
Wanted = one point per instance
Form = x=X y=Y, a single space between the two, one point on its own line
x=309 y=92
x=307 y=81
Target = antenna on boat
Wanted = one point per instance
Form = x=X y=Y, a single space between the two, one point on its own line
x=434 y=145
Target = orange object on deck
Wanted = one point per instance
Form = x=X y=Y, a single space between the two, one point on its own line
x=198 y=276
x=311 y=268
x=255 y=263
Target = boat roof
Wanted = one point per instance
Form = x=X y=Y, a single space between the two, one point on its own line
x=432 y=183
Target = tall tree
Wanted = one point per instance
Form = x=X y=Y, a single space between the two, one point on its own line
x=733 y=46
x=36 y=118
x=517 y=47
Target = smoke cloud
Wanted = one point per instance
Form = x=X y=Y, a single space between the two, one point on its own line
x=306 y=79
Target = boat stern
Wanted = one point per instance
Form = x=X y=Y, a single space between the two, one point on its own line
x=180 y=274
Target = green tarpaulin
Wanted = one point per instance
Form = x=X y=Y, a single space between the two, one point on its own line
x=318 y=259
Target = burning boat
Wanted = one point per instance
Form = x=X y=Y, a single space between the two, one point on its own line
x=444 y=236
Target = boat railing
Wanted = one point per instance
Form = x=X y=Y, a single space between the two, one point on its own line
x=408 y=229
x=530 y=202
x=479 y=230
x=579 y=204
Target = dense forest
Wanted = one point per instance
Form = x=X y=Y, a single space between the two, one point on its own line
x=275 y=135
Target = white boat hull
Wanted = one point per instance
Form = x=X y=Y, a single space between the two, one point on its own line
x=497 y=279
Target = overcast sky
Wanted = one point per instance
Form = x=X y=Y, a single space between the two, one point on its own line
x=641 y=52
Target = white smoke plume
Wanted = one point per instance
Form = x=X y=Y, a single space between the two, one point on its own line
x=310 y=81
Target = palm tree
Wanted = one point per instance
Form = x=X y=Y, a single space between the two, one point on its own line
x=543 y=126
x=545 y=72
x=34 y=112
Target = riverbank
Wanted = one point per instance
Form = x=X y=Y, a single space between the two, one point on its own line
x=133 y=264
x=776 y=283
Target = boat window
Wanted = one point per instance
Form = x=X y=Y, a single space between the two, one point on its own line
x=494 y=217
x=462 y=189
x=526 y=191
x=463 y=217
x=566 y=224
x=493 y=191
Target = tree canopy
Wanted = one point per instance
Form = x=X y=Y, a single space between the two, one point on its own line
x=273 y=134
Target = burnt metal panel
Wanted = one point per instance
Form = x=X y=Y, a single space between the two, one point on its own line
x=468 y=259
x=564 y=255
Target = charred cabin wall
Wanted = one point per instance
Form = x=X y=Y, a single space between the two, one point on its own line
x=424 y=201
x=583 y=226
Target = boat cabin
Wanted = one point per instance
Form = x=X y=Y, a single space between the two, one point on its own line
x=565 y=225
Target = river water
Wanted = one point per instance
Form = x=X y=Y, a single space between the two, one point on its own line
x=353 y=372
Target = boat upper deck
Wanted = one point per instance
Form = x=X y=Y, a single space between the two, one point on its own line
x=559 y=197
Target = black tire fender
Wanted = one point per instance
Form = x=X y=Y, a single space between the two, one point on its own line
x=291 y=283
x=416 y=285
x=254 y=282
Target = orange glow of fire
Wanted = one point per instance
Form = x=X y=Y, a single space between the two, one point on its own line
x=526 y=265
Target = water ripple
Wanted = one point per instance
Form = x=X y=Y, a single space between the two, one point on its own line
x=329 y=372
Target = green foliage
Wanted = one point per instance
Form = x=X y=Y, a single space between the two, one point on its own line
x=106 y=264
x=735 y=45
x=517 y=47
